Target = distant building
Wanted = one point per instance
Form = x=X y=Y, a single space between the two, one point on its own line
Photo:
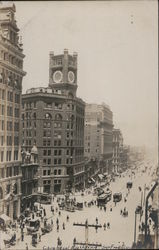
x=125 y=157
x=99 y=135
x=11 y=75
x=53 y=119
x=29 y=184
x=117 y=150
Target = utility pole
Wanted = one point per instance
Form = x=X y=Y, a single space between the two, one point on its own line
x=146 y=210
x=86 y=225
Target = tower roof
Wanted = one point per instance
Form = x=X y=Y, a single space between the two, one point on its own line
x=7 y=5
x=34 y=150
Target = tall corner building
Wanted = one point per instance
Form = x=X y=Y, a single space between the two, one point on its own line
x=53 y=119
x=11 y=75
x=99 y=134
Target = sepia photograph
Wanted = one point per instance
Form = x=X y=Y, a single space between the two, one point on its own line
x=79 y=125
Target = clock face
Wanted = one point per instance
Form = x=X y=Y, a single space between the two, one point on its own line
x=57 y=76
x=71 y=77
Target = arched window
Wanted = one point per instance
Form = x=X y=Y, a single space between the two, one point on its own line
x=34 y=115
x=58 y=117
x=15 y=188
x=70 y=95
x=48 y=116
x=72 y=117
x=1 y=193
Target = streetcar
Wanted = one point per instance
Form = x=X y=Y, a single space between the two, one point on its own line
x=104 y=198
x=44 y=198
x=117 y=197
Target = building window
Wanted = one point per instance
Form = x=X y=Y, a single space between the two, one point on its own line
x=55 y=172
x=8 y=156
x=58 y=105
x=58 y=117
x=49 y=161
x=67 y=161
x=48 y=105
x=44 y=152
x=2 y=156
x=48 y=116
x=2 y=140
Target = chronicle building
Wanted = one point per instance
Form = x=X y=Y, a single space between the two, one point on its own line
x=11 y=75
x=53 y=120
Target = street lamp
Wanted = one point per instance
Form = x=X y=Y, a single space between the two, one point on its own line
x=137 y=211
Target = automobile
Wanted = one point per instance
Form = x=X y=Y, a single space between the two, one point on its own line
x=46 y=229
x=117 y=197
x=79 y=206
x=33 y=226
x=129 y=184
x=99 y=191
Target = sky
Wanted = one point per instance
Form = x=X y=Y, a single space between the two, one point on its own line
x=117 y=46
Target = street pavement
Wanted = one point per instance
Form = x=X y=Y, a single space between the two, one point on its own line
x=121 y=228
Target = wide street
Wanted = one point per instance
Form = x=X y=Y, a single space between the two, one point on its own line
x=121 y=228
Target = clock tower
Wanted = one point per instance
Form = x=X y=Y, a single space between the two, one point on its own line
x=63 y=72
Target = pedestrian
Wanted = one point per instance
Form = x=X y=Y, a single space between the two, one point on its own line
x=96 y=220
x=56 y=209
x=74 y=241
x=59 y=213
x=39 y=237
x=57 y=221
x=121 y=211
x=44 y=212
x=52 y=222
x=63 y=225
x=33 y=216
x=100 y=207
x=104 y=226
x=104 y=208
x=67 y=218
x=57 y=227
x=22 y=236
x=26 y=246
x=108 y=225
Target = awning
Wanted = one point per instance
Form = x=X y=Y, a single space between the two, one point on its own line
x=105 y=174
x=100 y=176
x=93 y=180
x=5 y=218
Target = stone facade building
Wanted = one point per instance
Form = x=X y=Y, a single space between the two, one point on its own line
x=53 y=119
x=11 y=75
x=99 y=135
x=30 y=180
x=117 y=150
